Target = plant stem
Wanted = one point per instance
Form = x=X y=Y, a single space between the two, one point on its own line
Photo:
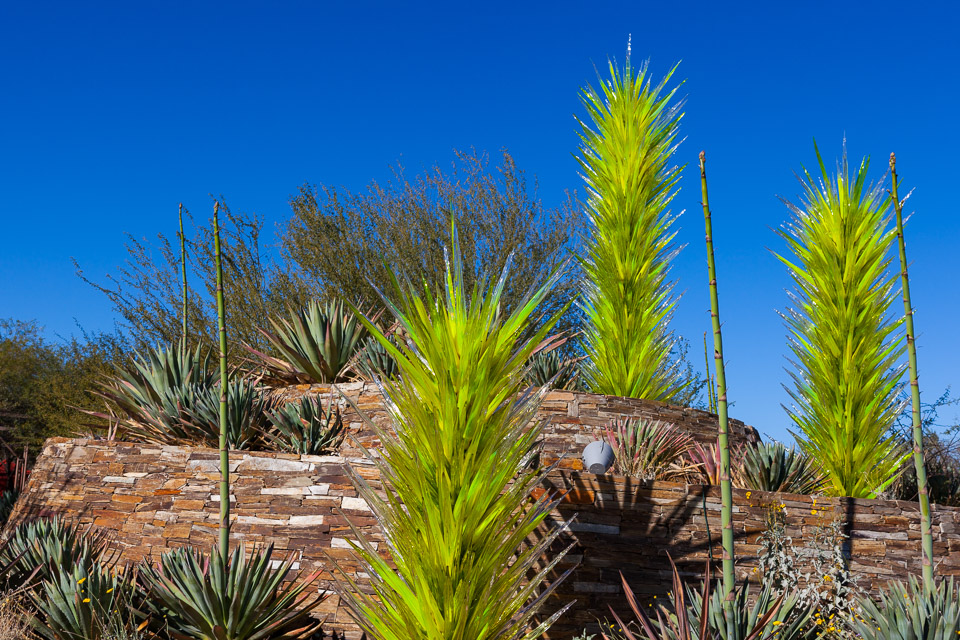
x=711 y=396
x=924 y=497
x=224 y=452
x=726 y=490
x=183 y=270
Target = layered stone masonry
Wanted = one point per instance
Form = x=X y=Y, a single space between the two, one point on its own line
x=570 y=420
x=149 y=498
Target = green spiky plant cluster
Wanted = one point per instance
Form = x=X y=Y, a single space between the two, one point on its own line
x=648 y=449
x=554 y=371
x=316 y=344
x=774 y=467
x=307 y=427
x=455 y=471
x=910 y=611
x=842 y=338
x=626 y=147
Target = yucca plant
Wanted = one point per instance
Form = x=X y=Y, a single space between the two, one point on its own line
x=648 y=449
x=88 y=602
x=626 y=148
x=306 y=427
x=842 y=337
x=772 y=467
x=909 y=611
x=316 y=344
x=40 y=548
x=553 y=370
x=198 y=596
x=457 y=514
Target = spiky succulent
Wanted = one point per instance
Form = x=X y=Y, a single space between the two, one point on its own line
x=648 y=449
x=771 y=466
x=88 y=602
x=306 y=427
x=373 y=359
x=551 y=369
x=626 y=149
x=200 y=598
x=315 y=344
x=842 y=335
x=39 y=549
x=907 y=611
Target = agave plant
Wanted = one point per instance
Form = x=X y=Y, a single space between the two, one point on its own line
x=88 y=602
x=648 y=449
x=908 y=611
x=772 y=467
x=143 y=390
x=316 y=343
x=201 y=598
x=625 y=155
x=373 y=359
x=554 y=371
x=42 y=548
x=707 y=461
x=190 y=415
x=8 y=499
x=844 y=342
x=306 y=427
x=457 y=514
x=768 y=615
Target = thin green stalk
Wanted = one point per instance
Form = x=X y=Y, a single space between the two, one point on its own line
x=711 y=393
x=224 y=452
x=726 y=489
x=183 y=271
x=924 y=497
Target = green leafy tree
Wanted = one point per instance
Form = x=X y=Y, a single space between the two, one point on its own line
x=627 y=145
x=842 y=337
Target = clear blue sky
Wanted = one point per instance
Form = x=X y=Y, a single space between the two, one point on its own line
x=111 y=113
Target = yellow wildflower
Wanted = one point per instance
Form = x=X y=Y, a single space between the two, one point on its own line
x=86 y=599
x=81 y=580
x=776 y=622
x=748 y=495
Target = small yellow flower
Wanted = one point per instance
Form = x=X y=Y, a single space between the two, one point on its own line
x=827 y=578
x=86 y=599
x=813 y=512
x=81 y=580
x=748 y=495
x=776 y=622
x=110 y=589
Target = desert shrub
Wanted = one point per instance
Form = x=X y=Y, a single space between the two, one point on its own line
x=907 y=611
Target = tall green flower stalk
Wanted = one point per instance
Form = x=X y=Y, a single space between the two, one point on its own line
x=457 y=471
x=924 y=496
x=224 y=451
x=844 y=343
x=183 y=273
x=626 y=146
x=723 y=442
x=711 y=392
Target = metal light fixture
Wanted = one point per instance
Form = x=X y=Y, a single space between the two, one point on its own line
x=598 y=457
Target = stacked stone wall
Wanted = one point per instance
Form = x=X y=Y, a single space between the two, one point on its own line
x=149 y=498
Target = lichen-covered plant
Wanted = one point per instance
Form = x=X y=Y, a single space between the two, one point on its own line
x=648 y=449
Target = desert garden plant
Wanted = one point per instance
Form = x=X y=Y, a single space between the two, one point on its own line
x=199 y=596
x=306 y=427
x=842 y=337
x=771 y=466
x=38 y=549
x=910 y=611
x=316 y=343
x=626 y=148
x=88 y=602
x=457 y=514
x=648 y=449
x=553 y=370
